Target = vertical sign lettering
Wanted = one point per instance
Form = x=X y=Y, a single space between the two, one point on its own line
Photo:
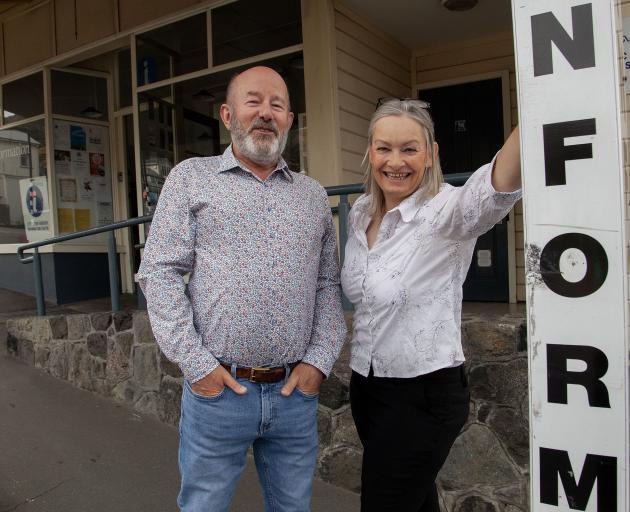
x=566 y=54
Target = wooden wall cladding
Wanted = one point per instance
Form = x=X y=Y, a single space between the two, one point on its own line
x=28 y=38
x=92 y=21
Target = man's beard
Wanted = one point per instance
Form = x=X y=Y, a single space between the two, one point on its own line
x=261 y=149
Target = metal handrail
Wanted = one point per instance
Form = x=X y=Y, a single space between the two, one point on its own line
x=343 y=191
x=342 y=210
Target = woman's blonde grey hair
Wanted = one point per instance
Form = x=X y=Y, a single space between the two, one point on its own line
x=416 y=110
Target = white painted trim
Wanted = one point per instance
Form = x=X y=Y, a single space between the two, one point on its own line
x=223 y=67
x=22 y=122
x=504 y=75
x=136 y=138
x=87 y=50
x=50 y=151
x=78 y=119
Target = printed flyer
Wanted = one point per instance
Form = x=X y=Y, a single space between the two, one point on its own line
x=83 y=176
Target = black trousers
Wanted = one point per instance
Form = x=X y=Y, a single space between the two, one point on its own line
x=407 y=428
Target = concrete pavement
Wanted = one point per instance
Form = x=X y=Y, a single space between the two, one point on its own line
x=67 y=450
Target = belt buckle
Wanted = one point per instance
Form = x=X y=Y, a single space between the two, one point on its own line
x=253 y=371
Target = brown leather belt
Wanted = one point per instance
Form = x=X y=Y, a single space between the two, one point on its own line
x=261 y=375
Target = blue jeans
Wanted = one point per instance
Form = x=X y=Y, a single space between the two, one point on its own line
x=216 y=432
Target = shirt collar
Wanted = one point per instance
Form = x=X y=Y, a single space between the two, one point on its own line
x=229 y=162
x=409 y=206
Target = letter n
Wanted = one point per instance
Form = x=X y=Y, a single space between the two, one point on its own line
x=579 y=50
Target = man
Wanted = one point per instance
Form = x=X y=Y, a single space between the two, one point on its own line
x=261 y=323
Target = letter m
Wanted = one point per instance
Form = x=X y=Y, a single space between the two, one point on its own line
x=596 y=468
x=579 y=50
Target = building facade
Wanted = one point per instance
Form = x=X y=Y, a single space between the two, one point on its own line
x=101 y=99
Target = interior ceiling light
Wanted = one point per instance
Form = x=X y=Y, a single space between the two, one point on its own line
x=204 y=95
x=92 y=113
x=459 y=5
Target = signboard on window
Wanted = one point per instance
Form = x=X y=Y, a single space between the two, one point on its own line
x=568 y=80
x=83 y=177
x=35 y=208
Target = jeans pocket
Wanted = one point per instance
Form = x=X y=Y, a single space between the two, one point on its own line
x=308 y=396
x=205 y=398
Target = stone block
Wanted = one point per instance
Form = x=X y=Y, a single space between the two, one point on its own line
x=147 y=404
x=97 y=344
x=483 y=338
x=515 y=496
x=99 y=370
x=477 y=459
x=476 y=504
x=20 y=327
x=41 y=355
x=78 y=326
x=142 y=328
x=170 y=400
x=333 y=393
x=510 y=428
x=12 y=344
x=123 y=320
x=26 y=351
x=124 y=341
x=80 y=366
x=341 y=368
x=100 y=321
x=41 y=333
x=324 y=427
x=124 y=391
x=168 y=367
x=117 y=364
x=3 y=337
x=146 y=373
x=503 y=383
x=345 y=433
x=58 y=360
x=58 y=327
x=342 y=467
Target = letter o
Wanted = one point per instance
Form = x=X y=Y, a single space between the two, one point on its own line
x=596 y=265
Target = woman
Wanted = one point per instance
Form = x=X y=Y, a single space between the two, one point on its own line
x=411 y=239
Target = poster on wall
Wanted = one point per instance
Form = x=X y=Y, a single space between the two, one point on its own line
x=82 y=173
x=35 y=208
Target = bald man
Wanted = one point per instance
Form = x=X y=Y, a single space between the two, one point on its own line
x=261 y=322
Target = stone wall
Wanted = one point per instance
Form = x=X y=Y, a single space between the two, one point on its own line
x=115 y=355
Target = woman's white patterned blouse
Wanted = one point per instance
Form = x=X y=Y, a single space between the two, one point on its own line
x=264 y=276
x=407 y=289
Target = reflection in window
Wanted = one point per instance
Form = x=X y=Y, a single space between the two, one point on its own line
x=250 y=27
x=157 y=154
x=79 y=95
x=184 y=122
x=172 y=50
x=124 y=78
x=23 y=98
x=22 y=156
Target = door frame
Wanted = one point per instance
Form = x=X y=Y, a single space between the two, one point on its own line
x=504 y=75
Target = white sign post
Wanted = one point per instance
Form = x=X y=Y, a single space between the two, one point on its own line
x=575 y=254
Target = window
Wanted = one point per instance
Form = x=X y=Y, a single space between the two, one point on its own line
x=23 y=98
x=22 y=156
x=251 y=27
x=172 y=50
x=182 y=121
x=79 y=95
